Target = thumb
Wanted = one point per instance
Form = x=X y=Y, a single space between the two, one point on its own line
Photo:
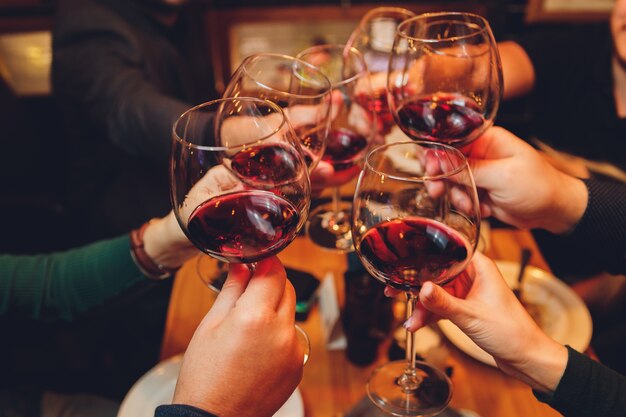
x=438 y=301
x=238 y=278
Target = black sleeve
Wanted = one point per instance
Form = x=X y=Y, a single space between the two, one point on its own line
x=600 y=236
x=99 y=67
x=556 y=53
x=588 y=389
x=180 y=410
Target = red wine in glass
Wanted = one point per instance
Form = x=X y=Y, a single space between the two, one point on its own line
x=343 y=148
x=269 y=164
x=377 y=103
x=410 y=251
x=447 y=118
x=244 y=226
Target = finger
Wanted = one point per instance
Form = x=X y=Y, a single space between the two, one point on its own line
x=391 y=292
x=495 y=143
x=489 y=175
x=438 y=301
x=233 y=288
x=420 y=318
x=266 y=287
x=321 y=176
x=287 y=306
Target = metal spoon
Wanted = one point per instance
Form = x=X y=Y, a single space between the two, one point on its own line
x=525 y=257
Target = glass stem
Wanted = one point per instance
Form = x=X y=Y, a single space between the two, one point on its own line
x=410 y=380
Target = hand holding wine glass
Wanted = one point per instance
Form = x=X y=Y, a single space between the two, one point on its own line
x=416 y=218
x=373 y=37
x=353 y=128
x=228 y=195
x=244 y=358
x=299 y=88
x=445 y=77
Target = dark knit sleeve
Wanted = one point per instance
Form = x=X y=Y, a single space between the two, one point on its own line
x=588 y=388
x=600 y=236
x=180 y=410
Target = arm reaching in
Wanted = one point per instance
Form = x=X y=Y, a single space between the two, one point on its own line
x=491 y=316
x=485 y=309
x=520 y=187
x=244 y=359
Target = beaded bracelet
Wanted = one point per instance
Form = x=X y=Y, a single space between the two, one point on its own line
x=144 y=262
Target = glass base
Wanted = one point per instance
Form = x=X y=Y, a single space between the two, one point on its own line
x=331 y=230
x=430 y=395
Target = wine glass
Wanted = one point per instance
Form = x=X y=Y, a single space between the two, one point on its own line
x=416 y=218
x=299 y=88
x=374 y=36
x=351 y=132
x=239 y=184
x=445 y=77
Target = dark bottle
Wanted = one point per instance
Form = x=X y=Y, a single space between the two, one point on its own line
x=367 y=314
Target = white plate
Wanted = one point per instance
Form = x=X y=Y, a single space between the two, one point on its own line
x=157 y=386
x=565 y=317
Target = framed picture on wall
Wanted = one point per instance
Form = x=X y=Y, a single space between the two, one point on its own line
x=568 y=10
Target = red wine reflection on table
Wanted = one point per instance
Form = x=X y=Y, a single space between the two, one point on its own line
x=270 y=164
x=447 y=118
x=244 y=226
x=405 y=253
x=344 y=148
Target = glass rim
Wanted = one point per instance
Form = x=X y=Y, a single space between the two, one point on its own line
x=189 y=144
x=417 y=178
x=260 y=55
x=341 y=47
x=482 y=28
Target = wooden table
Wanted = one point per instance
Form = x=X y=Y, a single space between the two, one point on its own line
x=331 y=385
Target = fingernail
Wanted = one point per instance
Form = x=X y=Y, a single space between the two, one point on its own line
x=409 y=323
x=427 y=290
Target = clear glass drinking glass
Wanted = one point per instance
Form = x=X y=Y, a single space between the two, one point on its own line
x=352 y=130
x=445 y=77
x=240 y=189
x=416 y=218
x=299 y=88
x=373 y=37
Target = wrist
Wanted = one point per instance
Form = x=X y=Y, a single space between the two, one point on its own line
x=543 y=365
x=571 y=202
x=166 y=244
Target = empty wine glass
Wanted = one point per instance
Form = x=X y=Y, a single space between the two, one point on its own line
x=445 y=77
x=239 y=184
x=416 y=218
x=352 y=130
x=373 y=37
x=299 y=88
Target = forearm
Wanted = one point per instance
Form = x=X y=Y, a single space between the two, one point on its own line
x=146 y=129
x=588 y=389
x=600 y=234
x=64 y=284
x=542 y=366
x=568 y=205
x=517 y=70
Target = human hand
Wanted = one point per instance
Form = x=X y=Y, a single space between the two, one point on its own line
x=522 y=188
x=166 y=244
x=244 y=359
x=490 y=314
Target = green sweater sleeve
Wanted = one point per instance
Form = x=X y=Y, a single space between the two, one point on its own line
x=64 y=284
